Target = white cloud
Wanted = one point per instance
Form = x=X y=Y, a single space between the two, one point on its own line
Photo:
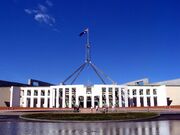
x=28 y=11
x=41 y=15
x=44 y=18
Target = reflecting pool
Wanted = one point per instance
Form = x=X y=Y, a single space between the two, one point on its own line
x=169 y=127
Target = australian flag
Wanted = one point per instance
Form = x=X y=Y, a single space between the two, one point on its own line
x=84 y=32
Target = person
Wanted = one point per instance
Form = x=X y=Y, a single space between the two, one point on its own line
x=106 y=109
x=113 y=108
x=78 y=109
x=96 y=108
x=91 y=109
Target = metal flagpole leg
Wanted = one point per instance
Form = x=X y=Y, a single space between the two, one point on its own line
x=103 y=73
x=73 y=73
x=78 y=73
x=97 y=73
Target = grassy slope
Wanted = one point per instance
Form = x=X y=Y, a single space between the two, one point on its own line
x=90 y=117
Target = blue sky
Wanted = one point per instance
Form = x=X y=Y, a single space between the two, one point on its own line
x=130 y=39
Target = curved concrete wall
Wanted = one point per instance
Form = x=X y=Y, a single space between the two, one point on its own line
x=4 y=96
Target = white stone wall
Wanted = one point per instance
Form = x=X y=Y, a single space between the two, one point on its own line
x=63 y=96
x=160 y=95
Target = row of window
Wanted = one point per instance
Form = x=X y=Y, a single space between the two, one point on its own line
x=29 y=93
x=88 y=91
x=147 y=91
x=35 y=92
x=110 y=89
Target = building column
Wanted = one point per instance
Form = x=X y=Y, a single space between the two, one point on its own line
x=25 y=99
x=32 y=99
x=120 y=99
x=113 y=95
x=107 y=97
x=70 y=98
x=92 y=101
x=51 y=98
x=144 y=98
x=126 y=98
x=131 y=97
x=54 y=98
x=32 y=102
x=100 y=101
x=151 y=97
x=138 y=98
x=152 y=100
x=39 y=99
x=85 y=101
x=45 y=99
x=145 y=101
x=57 y=98
x=77 y=100
x=63 y=99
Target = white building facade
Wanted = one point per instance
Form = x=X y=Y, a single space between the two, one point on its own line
x=68 y=96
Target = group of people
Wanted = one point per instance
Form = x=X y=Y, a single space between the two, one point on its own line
x=97 y=108
x=105 y=109
x=76 y=108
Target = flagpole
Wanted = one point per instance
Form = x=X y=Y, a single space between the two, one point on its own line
x=87 y=62
x=88 y=57
x=87 y=36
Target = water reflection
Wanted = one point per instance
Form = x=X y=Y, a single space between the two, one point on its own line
x=123 y=128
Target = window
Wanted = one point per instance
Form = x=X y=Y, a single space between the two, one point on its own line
x=73 y=90
x=60 y=92
x=29 y=92
x=110 y=89
x=134 y=101
x=35 y=83
x=142 y=101
x=48 y=92
x=148 y=101
x=122 y=92
x=128 y=92
x=148 y=92
x=134 y=91
x=103 y=97
x=66 y=89
x=141 y=92
x=103 y=90
x=116 y=92
x=110 y=96
x=154 y=91
x=35 y=93
x=140 y=83
x=155 y=101
x=88 y=90
x=42 y=93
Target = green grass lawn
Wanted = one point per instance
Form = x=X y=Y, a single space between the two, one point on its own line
x=90 y=116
